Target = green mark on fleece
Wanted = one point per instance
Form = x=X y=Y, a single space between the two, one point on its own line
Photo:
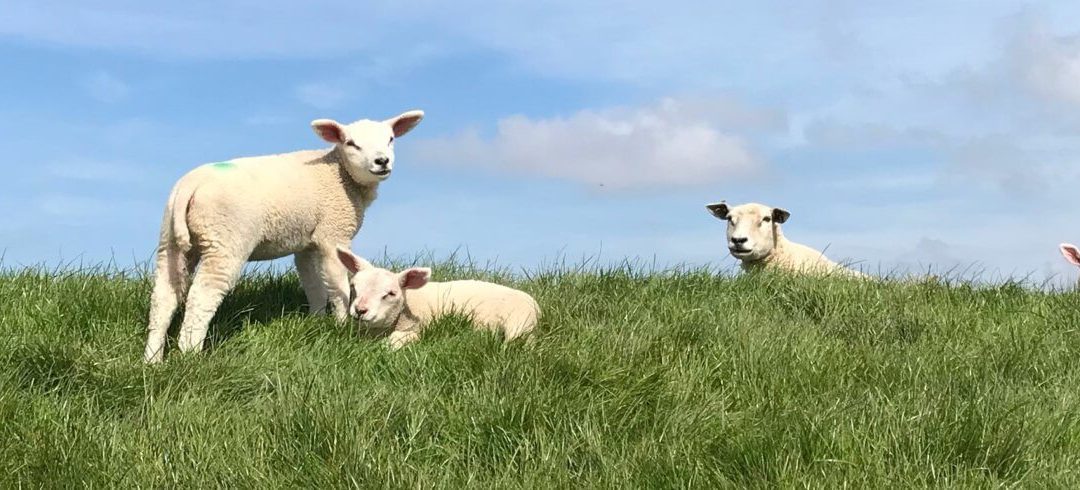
x=223 y=165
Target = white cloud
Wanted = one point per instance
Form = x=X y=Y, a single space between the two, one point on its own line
x=105 y=87
x=1048 y=65
x=670 y=143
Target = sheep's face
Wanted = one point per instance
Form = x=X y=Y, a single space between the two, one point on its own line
x=751 y=230
x=367 y=146
x=377 y=296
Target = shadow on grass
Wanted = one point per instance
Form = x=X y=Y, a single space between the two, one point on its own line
x=256 y=300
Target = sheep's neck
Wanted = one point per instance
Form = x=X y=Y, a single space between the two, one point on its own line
x=361 y=195
x=406 y=320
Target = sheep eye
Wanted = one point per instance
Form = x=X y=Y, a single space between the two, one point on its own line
x=766 y=219
x=390 y=294
x=391 y=140
x=352 y=144
x=352 y=293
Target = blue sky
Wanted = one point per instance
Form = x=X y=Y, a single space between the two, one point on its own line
x=927 y=134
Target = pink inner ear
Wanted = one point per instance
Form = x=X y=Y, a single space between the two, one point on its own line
x=414 y=278
x=1071 y=253
x=331 y=133
x=403 y=125
x=349 y=261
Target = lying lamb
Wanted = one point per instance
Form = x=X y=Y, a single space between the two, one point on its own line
x=306 y=203
x=405 y=302
x=754 y=237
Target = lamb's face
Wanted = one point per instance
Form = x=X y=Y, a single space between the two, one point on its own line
x=367 y=146
x=752 y=228
x=369 y=151
x=376 y=295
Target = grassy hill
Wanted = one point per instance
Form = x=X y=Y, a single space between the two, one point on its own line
x=678 y=379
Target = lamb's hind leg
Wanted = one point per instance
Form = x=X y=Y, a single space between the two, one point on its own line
x=171 y=276
x=336 y=280
x=307 y=267
x=216 y=276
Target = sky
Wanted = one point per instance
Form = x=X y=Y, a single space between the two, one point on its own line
x=901 y=136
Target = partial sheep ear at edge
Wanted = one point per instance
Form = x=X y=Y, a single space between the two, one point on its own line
x=1070 y=252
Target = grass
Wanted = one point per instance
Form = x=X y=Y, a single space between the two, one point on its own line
x=676 y=379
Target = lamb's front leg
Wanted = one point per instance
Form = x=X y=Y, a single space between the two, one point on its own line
x=336 y=279
x=399 y=339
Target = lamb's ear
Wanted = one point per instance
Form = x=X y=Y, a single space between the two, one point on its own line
x=780 y=215
x=1071 y=253
x=351 y=261
x=405 y=122
x=718 y=209
x=414 y=278
x=330 y=130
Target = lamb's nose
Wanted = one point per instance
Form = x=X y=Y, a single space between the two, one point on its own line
x=382 y=161
x=361 y=311
x=738 y=241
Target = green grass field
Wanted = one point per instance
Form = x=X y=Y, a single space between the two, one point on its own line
x=676 y=379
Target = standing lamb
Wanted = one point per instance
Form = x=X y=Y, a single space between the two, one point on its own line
x=306 y=203
x=405 y=302
x=754 y=237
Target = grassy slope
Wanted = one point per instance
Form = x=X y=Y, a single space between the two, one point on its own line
x=679 y=379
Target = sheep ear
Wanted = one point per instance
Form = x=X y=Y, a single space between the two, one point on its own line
x=330 y=130
x=718 y=209
x=780 y=215
x=351 y=261
x=1071 y=253
x=405 y=122
x=414 y=278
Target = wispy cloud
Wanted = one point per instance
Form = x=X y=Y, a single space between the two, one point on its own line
x=105 y=87
x=321 y=95
x=265 y=120
x=88 y=170
x=671 y=143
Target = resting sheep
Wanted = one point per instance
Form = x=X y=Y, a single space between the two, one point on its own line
x=405 y=302
x=754 y=237
x=305 y=203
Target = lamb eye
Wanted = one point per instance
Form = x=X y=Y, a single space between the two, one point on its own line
x=766 y=219
x=352 y=293
x=389 y=294
x=352 y=144
x=391 y=140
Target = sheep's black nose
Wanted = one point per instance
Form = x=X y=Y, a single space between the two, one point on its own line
x=382 y=161
x=739 y=241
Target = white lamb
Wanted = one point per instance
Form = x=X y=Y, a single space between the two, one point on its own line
x=405 y=302
x=754 y=237
x=306 y=203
